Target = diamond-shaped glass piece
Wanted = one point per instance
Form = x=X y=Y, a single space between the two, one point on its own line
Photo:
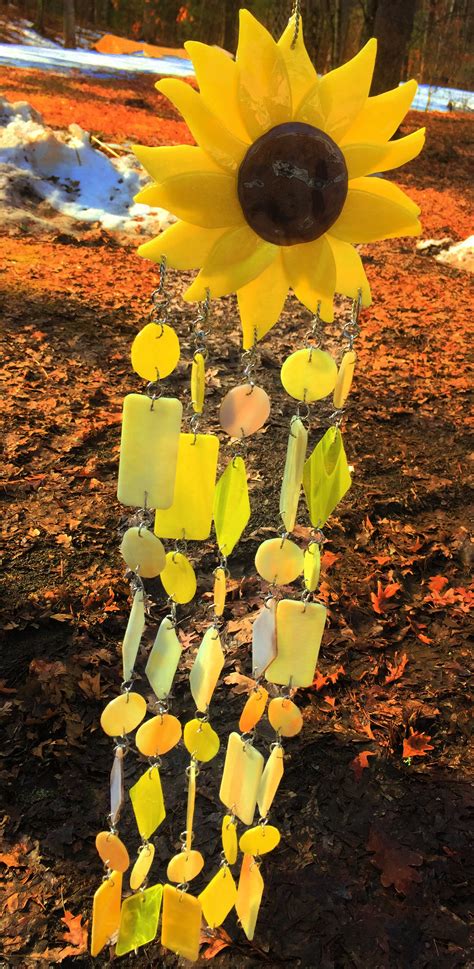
x=206 y=669
x=231 y=505
x=147 y=802
x=326 y=477
x=163 y=659
x=139 y=919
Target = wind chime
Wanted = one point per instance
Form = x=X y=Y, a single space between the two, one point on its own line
x=275 y=195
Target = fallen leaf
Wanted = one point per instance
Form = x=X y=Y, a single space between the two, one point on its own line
x=417 y=744
x=383 y=593
x=76 y=932
x=12 y=859
x=215 y=943
x=241 y=684
x=328 y=559
x=396 y=862
x=396 y=668
x=360 y=762
x=437 y=583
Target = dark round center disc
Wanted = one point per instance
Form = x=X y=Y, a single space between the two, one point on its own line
x=292 y=184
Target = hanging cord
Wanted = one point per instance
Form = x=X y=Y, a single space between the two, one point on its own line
x=296 y=13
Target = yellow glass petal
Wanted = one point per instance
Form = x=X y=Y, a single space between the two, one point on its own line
x=293 y=473
x=299 y=632
x=244 y=410
x=253 y=710
x=312 y=273
x=224 y=148
x=285 y=717
x=236 y=258
x=310 y=110
x=312 y=566
x=261 y=301
x=365 y=159
x=106 y=912
x=218 y=897
x=259 y=840
x=206 y=669
x=374 y=211
x=139 y=872
x=301 y=73
x=264 y=644
x=112 y=851
x=185 y=866
x=155 y=351
x=164 y=659
x=133 y=635
x=147 y=802
x=139 y=920
x=381 y=115
x=326 y=477
x=142 y=552
x=229 y=839
x=231 y=505
x=181 y=926
x=344 y=91
x=123 y=714
x=264 y=88
x=279 y=561
x=249 y=895
x=198 y=382
x=200 y=740
x=179 y=578
x=158 y=735
x=241 y=778
x=184 y=246
x=217 y=76
x=220 y=584
x=190 y=515
x=148 y=451
x=207 y=199
x=165 y=162
x=350 y=273
x=271 y=779
x=344 y=378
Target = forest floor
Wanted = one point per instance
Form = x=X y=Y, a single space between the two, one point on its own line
x=372 y=869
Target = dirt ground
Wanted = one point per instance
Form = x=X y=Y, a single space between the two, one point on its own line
x=372 y=871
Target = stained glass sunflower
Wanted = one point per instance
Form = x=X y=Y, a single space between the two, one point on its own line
x=281 y=185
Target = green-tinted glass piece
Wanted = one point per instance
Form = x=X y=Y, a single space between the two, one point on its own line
x=326 y=477
x=231 y=505
x=139 y=919
x=147 y=802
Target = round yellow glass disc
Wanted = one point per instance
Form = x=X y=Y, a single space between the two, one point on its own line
x=285 y=716
x=179 y=578
x=200 y=740
x=229 y=839
x=185 y=866
x=279 y=561
x=142 y=866
x=259 y=840
x=254 y=709
x=112 y=851
x=158 y=735
x=143 y=552
x=123 y=714
x=309 y=374
x=155 y=351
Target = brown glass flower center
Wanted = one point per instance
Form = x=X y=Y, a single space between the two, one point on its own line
x=292 y=184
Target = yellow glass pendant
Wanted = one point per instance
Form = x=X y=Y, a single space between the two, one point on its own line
x=163 y=660
x=271 y=778
x=218 y=897
x=106 y=912
x=241 y=778
x=200 y=740
x=158 y=735
x=148 y=451
x=190 y=514
x=206 y=669
x=231 y=505
x=284 y=716
x=181 y=925
x=293 y=473
x=344 y=378
x=244 y=410
x=139 y=919
x=139 y=872
x=254 y=709
x=155 y=351
x=279 y=561
x=147 y=802
x=299 y=632
x=259 y=840
x=229 y=839
x=309 y=374
x=264 y=644
x=326 y=477
x=133 y=634
x=312 y=566
x=112 y=851
x=185 y=866
x=179 y=578
x=198 y=382
x=220 y=583
x=123 y=714
x=192 y=774
x=249 y=895
x=143 y=552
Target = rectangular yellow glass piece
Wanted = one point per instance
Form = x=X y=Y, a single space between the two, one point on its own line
x=241 y=778
x=300 y=627
x=148 y=451
x=106 y=912
x=181 y=925
x=190 y=515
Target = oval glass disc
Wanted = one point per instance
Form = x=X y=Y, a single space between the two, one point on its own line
x=123 y=714
x=279 y=561
x=155 y=351
x=253 y=710
x=309 y=374
x=312 y=566
x=185 y=866
x=259 y=840
x=285 y=717
x=179 y=578
x=344 y=379
x=200 y=740
x=229 y=839
x=142 y=866
x=143 y=552
x=158 y=735
x=112 y=851
x=244 y=410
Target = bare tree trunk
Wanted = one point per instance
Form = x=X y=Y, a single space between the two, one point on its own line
x=39 y=19
x=393 y=29
x=69 y=24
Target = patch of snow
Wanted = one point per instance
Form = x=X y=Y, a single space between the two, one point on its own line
x=461 y=255
x=91 y=62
